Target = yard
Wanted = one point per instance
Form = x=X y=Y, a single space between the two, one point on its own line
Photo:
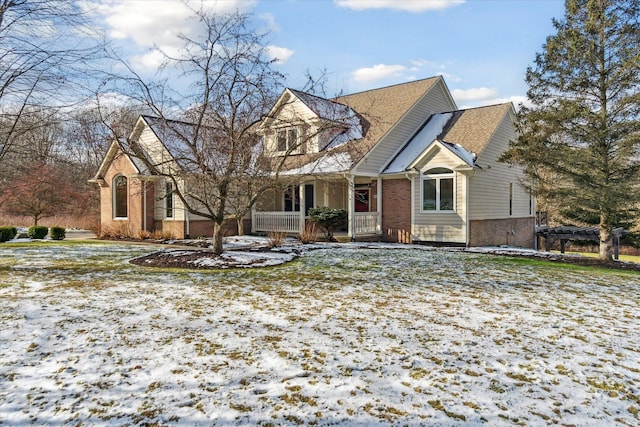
x=376 y=336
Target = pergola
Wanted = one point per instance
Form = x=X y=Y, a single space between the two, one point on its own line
x=566 y=233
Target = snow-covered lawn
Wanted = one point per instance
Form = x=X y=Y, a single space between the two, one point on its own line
x=345 y=336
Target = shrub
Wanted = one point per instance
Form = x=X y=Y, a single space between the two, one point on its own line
x=276 y=238
x=120 y=231
x=37 y=232
x=58 y=233
x=162 y=235
x=328 y=219
x=7 y=233
x=310 y=233
x=144 y=235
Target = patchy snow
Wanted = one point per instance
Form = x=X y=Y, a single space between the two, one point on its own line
x=347 y=335
x=419 y=143
x=328 y=163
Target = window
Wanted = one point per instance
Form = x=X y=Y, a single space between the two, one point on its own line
x=438 y=190
x=287 y=140
x=292 y=198
x=120 y=196
x=168 y=194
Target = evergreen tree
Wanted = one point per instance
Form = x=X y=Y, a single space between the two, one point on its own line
x=580 y=139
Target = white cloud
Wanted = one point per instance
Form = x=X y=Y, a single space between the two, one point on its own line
x=151 y=60
x=270 y=20
x=377 y=72
x=473 y=98
x=475 y=94
x=450 y=78
x=280 y=54
x=406 y=5
x=150 y=23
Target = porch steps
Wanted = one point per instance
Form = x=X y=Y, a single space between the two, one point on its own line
x=369 y=238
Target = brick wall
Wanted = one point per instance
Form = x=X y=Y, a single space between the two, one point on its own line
x=494 y=232
x=396 y=210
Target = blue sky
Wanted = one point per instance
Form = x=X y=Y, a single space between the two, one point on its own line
x=481 y=47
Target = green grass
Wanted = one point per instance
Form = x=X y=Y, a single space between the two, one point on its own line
x=628 y=258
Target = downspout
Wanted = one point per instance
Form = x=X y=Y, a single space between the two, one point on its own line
x=379 y=204
x=351 y=218
x=411 y=206
x=144 y=205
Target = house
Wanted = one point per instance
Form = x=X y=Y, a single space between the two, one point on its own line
x=411 y=168
x=135 y=200
x=403 y=160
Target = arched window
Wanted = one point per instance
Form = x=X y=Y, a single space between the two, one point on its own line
x=438 y=190
x=120 y=197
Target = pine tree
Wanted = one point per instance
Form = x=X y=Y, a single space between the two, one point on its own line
x=580 y=138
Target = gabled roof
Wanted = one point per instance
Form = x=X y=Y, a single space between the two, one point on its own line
x=327 y=109
x=174 y=136
x=371 y=114
x=114 y=149
x=384 y=107
x=465 y=133
x=473 y=128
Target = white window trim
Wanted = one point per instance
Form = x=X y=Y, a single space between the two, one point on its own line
x=297 y=150
x=295 y=197
x=113 y=199
x=424 y=176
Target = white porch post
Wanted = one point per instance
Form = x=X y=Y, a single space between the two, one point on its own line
x=325 y=194
x=302 y=204
x=351 y=229
x=253 y=218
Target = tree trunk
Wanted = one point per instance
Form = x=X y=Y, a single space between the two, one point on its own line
x=218 y=232
x=606 y=229
x=240 y=226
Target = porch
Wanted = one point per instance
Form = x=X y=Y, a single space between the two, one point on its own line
x=287 y=210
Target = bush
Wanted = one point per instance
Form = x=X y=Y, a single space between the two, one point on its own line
x=38 y=232
x=58 y=233
x=310 y=233
x=7 y=233
x=276 y=238
x=328 y=219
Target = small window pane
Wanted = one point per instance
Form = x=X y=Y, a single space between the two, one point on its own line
x=282 y=140
x=438 y=171
x=169 y=199
x=292 y=138
x=446 y=194
x=429 y=195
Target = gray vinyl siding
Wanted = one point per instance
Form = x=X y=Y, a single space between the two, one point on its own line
x=434 y=101
x=489 y=186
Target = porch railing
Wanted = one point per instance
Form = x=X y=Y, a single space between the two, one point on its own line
x=366 y=223
x=289 y=222
x=286 y=222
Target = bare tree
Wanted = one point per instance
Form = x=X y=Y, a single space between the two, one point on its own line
x=46 y=50
x=214 y=148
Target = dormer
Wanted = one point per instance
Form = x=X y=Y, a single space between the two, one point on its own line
x=301 y=123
